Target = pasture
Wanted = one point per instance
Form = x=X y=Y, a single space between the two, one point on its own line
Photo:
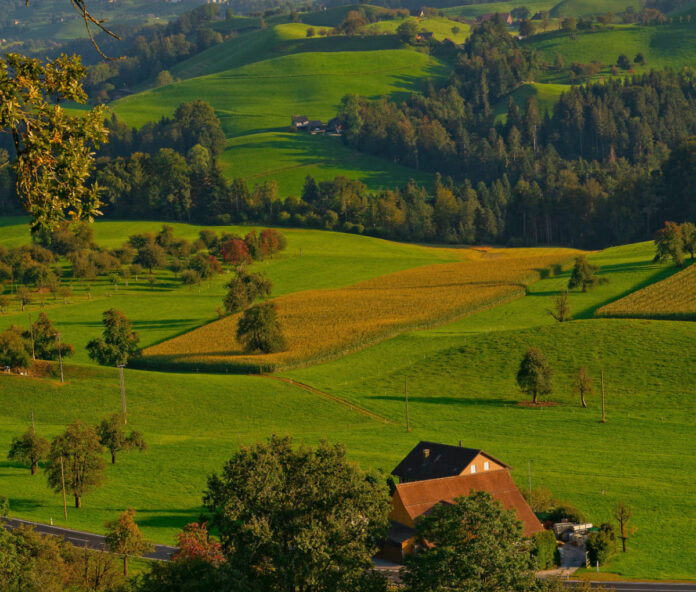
x=441 y=28
x=324 y=324
x=461 y=387
x=547 y=96
x=664 y=46
x=591 y=7
x=672 y=298
x=288 y=157
x=313 y=260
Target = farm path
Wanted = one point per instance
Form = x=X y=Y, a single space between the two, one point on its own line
x=334 y=398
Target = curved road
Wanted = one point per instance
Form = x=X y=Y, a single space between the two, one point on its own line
x=84 y=539
x=164 y=553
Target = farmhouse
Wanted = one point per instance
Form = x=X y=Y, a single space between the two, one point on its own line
x=300 y=121
x=434 y=474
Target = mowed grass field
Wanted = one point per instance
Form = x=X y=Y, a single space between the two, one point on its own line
x=440 y=27
x=591 y=7
x=265 y=95
x=461 y=387
x=475 y=10
x=663 y=46
x=324 y=324
x=672 y=298
x=461 y=384
x=288 y=157
x=313 y=260
x=547 y=96
x=259 y=80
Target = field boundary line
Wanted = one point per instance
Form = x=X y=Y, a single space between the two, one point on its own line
x=334 y=398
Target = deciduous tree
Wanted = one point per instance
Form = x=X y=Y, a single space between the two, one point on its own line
x=83 y=464
x=585 y=275
x=473 y=544
x=194 y=544
x=54 y=149
x=298 y=519
x=124 y=537
x=117 y=344
x=46 y=340
x=29 y=449
x=583 y=385
x=258 y=329
x=535 y=375
x=623 y=514
x=13 y=351
x=244 y=288
x=114 y=439
x=561 y=307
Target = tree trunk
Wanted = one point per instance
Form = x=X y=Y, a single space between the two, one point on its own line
x=125 y=565
x=623 y=542
x=78 y=501
x=534 y=397
x=582 y=398
x=113 y=458
x=34 y=468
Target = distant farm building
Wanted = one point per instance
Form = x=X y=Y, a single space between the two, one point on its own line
x=433 y=474
x=300 y=121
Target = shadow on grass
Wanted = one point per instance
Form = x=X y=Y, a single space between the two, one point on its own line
x=23 y=504
x=493 y=403
x=168 y=518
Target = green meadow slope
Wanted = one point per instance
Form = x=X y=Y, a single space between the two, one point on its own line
x=461 y=387
x=663 y=46
x=255 y=101
x=591 y=7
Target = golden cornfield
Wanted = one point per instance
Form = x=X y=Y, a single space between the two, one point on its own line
x=672 y=298
x=324 y=324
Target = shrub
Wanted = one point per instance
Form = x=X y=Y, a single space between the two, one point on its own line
x=568 y=512
x=601 y=546
x=545 y=549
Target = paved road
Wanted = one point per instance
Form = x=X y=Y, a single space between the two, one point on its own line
x=85 y=539
x=640 y=586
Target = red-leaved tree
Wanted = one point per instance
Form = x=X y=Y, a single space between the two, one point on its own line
x=195 y=544
x=236 y=252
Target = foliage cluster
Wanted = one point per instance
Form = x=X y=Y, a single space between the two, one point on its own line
x=321 y=324
x=41 y=341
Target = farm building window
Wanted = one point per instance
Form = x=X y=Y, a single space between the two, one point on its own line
x=473 y=468
x=486 y=466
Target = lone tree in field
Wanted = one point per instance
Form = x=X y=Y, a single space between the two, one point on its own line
x=46 y=340
x=474 y=544
x=561 y=308
x=118 y=342
x=54 y=149
x=623 y=515
x=29 y=449
x=258 y=330
x=584 y=385
x=13 y=350
x=670 y=244
x=298 y=519
x=114 y=439
x=585 y=275
x=83 y=464
x=125 y=538
x=535 y=376
x=244 y=288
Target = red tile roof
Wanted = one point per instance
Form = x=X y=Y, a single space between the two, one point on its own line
x=419 y=496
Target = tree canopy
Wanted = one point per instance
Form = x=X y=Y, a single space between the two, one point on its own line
x=535 y=375
x=298 y=519
x=117 y=344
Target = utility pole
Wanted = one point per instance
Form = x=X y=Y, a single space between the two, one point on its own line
x=604 y=417
x=60 y=357
x=529 y=471
x=33 y=429
x=123 y=394
x=31 y=332
x=408 y=425
x=62 y=478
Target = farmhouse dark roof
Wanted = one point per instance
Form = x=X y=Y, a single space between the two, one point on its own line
x=315 y=123
x=430 y=460
x=299 y=118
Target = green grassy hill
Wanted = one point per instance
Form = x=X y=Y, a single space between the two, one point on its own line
x=592 y=7
x=546 y=95
x=440 y=27
x=256 y=99
x=475 y=10
x=663 y=46
x=461 y=387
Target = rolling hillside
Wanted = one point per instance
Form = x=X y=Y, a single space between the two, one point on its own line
x=546 y=95
x=461 y=387
x=663 y=46
x=441 y=28
x=592 y=7
x=255 y=102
